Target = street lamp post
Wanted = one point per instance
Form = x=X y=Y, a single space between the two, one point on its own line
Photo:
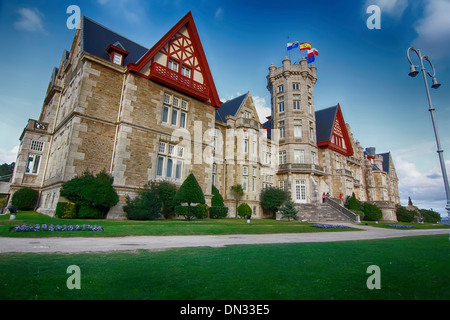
x=413 y=72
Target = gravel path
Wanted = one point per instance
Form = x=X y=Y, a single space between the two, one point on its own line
x=156 y=243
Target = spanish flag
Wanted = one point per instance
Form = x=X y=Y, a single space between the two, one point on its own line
x=305 y=46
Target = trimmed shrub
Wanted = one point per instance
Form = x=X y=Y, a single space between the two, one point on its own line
x=25 y=199
x=190 y=192
x=288 y=210
x=218 y=212
x=87 y=212
x=272 y=198
x=146 y=206
x=353 y=204
x=244 y=210
x=91 y=191
x=372 y=212
x=430 y=216
x=217 y=209
x=404 y=215
x=66 y=210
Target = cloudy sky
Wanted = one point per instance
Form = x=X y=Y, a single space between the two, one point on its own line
x=365 y=70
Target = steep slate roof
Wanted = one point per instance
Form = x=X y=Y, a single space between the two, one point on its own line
x=386 y=161
x=230 y=107
x=324 y=123
x=96 y=38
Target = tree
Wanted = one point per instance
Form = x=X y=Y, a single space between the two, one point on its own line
x=288 y=210
x=25 y=199
x=244 y=210
x=145 y=206
x=354 y=204
x=217 y=209
x=93 y=195
x=272 y=198
x=166 y=192
x=238 y=192
x=190 y=192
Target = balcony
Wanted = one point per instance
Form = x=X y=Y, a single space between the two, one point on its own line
x=301 y=168
x=247 y=123
x=178 y=82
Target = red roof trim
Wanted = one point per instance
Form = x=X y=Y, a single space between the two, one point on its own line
x=187 y=21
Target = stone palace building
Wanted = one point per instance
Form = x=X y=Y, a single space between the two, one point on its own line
x=154 y=114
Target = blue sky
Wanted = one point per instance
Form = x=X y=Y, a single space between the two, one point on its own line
x=364 y=70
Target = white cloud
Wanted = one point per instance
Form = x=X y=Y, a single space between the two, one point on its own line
x=219 y=14
x=393 y=8
x=30 y=20
x=261 y=108
x=8 y=156
x=433 y=29
x=426 y=188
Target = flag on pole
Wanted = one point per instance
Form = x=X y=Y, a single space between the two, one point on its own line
x=305 y=46
x=292 y=45
x=313 y=52
x=311 y=59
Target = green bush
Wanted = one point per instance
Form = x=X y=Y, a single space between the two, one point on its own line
x=66 y=210
x=353 y=204
x=190 y=192
x=217 y=209
x=288 y=210
x=25 y=199
x=218 y=212
x=87 y=212
x=404 y=215
x=430 y=216
x=191 y=212
x=146 y=206
x=372 y=212
x=201 y=211
x=91 y=191
x=244 y=210
x=272 y=198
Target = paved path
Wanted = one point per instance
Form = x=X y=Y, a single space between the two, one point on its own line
x=78 y=245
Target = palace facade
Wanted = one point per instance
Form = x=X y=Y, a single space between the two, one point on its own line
x=154 y=114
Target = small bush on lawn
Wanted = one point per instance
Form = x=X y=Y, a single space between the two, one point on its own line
x=244 y=210
x=288 y=210
x=372 y=212
x=217 y=209
x=89 y=191
x=404 y=215
x=66 y=210
x=146 y=206
x=25 y=199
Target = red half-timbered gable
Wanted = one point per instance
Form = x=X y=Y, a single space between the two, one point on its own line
x=339 y=139
x=179 y=62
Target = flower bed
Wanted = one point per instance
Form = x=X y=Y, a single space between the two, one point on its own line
x=44 y=227
x=404 y=226
x=330 y=226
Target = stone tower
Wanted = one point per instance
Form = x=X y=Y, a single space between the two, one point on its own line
x=292 y=96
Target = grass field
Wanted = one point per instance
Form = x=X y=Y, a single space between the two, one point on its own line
x=410 y=268
x=114 y=228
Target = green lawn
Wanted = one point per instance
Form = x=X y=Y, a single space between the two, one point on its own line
x=113 y=228
x=410 y=268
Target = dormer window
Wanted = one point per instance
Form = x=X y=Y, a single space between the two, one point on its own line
x=117 y=53
x=117 y=58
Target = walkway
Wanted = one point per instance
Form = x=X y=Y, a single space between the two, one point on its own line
x=156 y=243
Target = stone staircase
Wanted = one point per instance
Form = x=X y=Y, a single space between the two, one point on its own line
x=328 y=212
